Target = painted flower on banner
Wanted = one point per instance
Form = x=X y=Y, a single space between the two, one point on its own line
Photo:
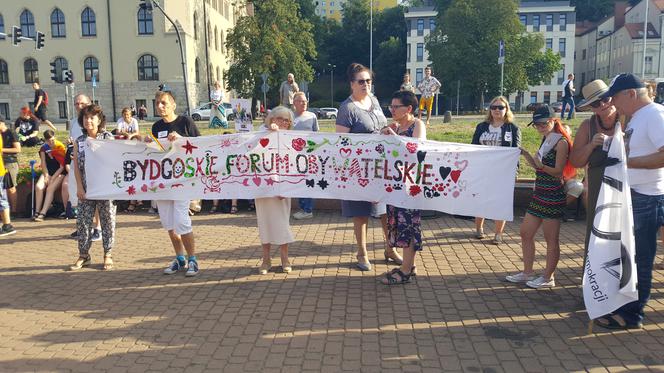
x=380 y=148
x=299 y=144
x=415 y=190
x=131 y=190
x=345 y=141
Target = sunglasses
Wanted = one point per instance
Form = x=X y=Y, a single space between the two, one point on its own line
x=363 y=81
x=597 y=103
x=497 y=107
x=395 y=107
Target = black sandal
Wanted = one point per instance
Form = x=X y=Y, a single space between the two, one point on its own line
x=615 y=322
x=233 y=210
x=390 y=278
x=38 y=218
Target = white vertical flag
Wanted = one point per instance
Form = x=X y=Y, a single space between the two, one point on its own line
x=609 y=278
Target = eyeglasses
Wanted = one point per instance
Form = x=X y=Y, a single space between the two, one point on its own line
x=597 y=103
x=395 y=107
x=541 y=124
x=282 y=120
x=497 y=107
x=363 y=81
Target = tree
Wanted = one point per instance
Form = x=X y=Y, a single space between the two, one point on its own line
x=276 y=41
x=465 y=48
x=595 y=10
x=389 y=67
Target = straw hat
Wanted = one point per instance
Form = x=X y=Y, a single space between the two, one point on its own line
x=592 y=92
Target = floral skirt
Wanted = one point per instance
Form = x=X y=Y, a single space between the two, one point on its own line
x=404 y=227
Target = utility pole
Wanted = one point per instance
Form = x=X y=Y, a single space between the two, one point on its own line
x=331 y=83
x=501 y=62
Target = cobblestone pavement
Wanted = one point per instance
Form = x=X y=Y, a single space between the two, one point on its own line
x=459 y=315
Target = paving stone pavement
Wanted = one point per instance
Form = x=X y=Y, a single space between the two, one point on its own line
x=459 y=315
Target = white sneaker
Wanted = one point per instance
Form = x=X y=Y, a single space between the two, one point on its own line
x=541 y=282
x=303 y=215
x=175 y=267
x=520 y=277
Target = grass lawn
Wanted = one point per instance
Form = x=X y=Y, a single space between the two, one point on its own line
x=461 y=131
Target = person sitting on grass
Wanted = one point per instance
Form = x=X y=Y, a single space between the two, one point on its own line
x=52 y=155
x=127 y=126
x=27 y=128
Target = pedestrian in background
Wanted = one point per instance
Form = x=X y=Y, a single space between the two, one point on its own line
x=40 y=104
x=407 y=85
x=287 y=91
x=7 y=227
x=10 y=151
x=568 y=97
x=428 y=88
x=27 y=128
x=52 y=156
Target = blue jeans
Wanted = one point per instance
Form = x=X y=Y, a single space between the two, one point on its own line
x=648 y=214
x=306 y=204
x=4 y=204
x=567 y=101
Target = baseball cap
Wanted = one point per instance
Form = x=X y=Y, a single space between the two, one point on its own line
x=622 y=82
x=542 y=114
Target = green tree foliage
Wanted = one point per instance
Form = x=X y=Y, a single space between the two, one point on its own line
x=594 y=10
x=465 y=48
x=275 y=40
x=389 y=67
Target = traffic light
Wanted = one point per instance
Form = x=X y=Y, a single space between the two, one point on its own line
x=145 y=4
x=54 y=73
x=39 y=41
x=16 y=35
x=69 y=76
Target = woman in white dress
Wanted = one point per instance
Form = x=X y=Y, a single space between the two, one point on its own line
x=217 y=110
x=273 y=213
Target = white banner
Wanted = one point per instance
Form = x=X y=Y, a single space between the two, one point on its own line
x=609 y=278
x=454 y=178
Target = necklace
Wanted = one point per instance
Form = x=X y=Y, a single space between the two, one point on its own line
x=599 y=121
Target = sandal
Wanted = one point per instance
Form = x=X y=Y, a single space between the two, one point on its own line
x=393 y=255
x=615 y=322
x=413 y=271
x=80 y=263
x=233 y=210
x=390 y=278
x=39 y=217
x=131 y=208
x=108 y=263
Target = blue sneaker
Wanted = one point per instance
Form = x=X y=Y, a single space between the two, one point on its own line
x=192 y=268
x=175 y=267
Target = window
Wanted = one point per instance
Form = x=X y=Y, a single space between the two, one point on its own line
x=561 y=75
x=210 y=73
x=219 y=78
x=58 y=24
x=536 y=23
x=208 y=36
x=91 y=68
x=432 y=24
x=4 y=110
x=547 y=97
x=649 y=64
x=323 y=12
x=216 y=38
x=583 y=80
x=154 y=107
x=562 y=21
x=549 y=43
x=221 y=39
x=145 y=22
x=420 y=27
x=61 y=65
x=197 y=70
x=583 y=54
x=549 y=22
x=408 y=52
x=31 y=70
x=420 y=52
x=4 y=72
x=524 y=19
x=418 y=75
x=559 y=96
x=195 y=26
x=331 y=4
x=148 y=67
x=331 y=11
x=27 y=24
x=533 y=97
x=561 y=46
x=322 y=3
x=2 y=27
x=88 y=22
x=62 y=109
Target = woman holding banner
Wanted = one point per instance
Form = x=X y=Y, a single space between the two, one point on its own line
x=403 y=225
x=549 y=201
x=273 y=213
x=591 y=144
x=496 y=130
x=361 y=113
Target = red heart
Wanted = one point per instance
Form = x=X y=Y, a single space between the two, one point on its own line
x=411 y=146
x=144 y=188
x=363 y=182
x=264 y=142
x=455 y=175
x=256 y=180
x=345 y=152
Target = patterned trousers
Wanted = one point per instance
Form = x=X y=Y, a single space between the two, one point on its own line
x=86 y=213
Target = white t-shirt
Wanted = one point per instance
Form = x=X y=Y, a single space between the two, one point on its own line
x=128 y=127
x=492 y=137
x=307 y=121
x=644 y=136
x=217 y=95
x=75 y=131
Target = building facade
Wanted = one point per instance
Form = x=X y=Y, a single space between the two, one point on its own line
x=127 y=51
x=333 y=9
x=421 y=21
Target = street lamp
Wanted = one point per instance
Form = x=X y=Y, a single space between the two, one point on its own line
x=331 y=66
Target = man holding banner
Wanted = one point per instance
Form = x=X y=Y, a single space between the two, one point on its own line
x=644 y=138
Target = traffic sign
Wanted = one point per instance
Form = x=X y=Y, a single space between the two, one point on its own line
x=264 y=77
x=94 y=80
x=265 y=88
x=501 y=52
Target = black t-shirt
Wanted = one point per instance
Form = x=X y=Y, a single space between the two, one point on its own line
x=184 y=127
x=26 y=126
x=568 y=92
x=52 y=164
x=8 y=140
x=40 y=92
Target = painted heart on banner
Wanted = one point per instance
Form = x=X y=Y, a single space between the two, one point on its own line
x=455 y=175
x=345 y=152
x=421 y=155
x=245 y=182
x=411 y=146
x=257 y=180
x=363 y=182
x=444 y=172
x=264 y=142
x=461 y=165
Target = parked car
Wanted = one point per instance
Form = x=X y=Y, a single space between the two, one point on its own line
x=202 y=112
x=328 y=113
x=315 y=110
x=533 y=106
x=557 y=107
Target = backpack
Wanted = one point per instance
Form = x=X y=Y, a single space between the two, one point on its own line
x=45 y=98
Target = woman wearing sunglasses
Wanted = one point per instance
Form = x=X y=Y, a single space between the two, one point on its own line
x=496 y=130
x=591 y=144
x=548 y=203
